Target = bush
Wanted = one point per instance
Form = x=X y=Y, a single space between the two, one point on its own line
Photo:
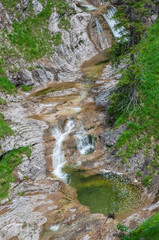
x=149 y=230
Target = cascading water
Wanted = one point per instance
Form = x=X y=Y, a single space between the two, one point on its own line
x=86 y=5
x=102 y=38
x=85 y=144
x=58 y=155
x=119 y=32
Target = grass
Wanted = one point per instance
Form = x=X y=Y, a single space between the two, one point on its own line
x=10 y=4
x=6 y=85
x=30 y=38
x=149 y=230
x=26 y=88
x=142 y=131
x=7 y=165
x=5 y=130
x=64 y=23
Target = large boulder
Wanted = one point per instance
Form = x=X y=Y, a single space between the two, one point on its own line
x=109 y=138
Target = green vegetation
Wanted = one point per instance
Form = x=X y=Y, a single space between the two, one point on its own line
x=143 y=121
x=26 y=88
x=147 y=179
x=149 y=230
x=5 y=130
x=122 y=228
x=30 y=38
x=7 y=165
x=6 y=85
x=64 y=23
x=10 y=5
x=2 y=101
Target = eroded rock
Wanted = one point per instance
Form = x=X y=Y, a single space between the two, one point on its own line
x=109 y=138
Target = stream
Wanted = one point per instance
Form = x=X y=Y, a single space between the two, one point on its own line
x=75 y=123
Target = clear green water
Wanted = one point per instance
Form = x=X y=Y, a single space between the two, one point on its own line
x=103 y=193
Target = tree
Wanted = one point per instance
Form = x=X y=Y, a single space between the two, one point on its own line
x=132 y=16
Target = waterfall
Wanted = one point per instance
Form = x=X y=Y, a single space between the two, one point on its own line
x=85 y=4
x=103 y=41
x=119 y=32
x=58 y=156
x=88 y=7
x=85 y=143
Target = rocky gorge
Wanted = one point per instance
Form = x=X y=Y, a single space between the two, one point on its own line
x=71 y=84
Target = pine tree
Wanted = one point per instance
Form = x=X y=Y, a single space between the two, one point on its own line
x=132 y=15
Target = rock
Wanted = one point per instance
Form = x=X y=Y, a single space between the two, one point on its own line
x=24 y=78
x=53 y=22
x=37 y=6
x=103 y=98
x=25 y=4
x=154 y=18
x=109 y=138
x=4 y=18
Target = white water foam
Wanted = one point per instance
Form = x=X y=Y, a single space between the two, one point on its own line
x=58 y=156
x=119 y=32
x=54 y=227
x=85 y=143
x=102 y=38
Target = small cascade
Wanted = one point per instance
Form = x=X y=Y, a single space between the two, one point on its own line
x=102 y=38
x=118 y=33
x=85 y=143
x=86 y=5
x=58 y=156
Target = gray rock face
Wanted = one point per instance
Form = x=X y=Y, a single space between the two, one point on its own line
x=37 y=6
x=110 y=138
x=25 y=4
x=24 y=78
x=4 y=18
x=103 y=98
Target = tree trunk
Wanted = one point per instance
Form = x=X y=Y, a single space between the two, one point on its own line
x=132 y=40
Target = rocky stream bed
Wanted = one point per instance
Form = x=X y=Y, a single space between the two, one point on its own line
x=74 y=84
